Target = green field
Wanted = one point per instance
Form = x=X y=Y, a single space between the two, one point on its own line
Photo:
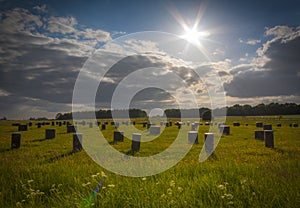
x=241 y=173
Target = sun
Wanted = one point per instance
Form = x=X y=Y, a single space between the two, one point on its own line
x=193 y=36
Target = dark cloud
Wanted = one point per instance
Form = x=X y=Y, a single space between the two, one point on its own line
x=38 y=68
x=276 y=72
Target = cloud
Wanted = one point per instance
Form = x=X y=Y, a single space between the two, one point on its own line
x=41 y=9
x=250 y=41
x=40 y=57
x=275 y=72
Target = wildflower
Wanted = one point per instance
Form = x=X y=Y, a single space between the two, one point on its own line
x=30 y=181
x=172 y=183
x=230 y=203
x=103 y=174
x=222 y=187
x=59 y=185
x=253 y=193
x=163 y=196
x=243 y=181
x=157 y=183
x=94 y=176
x=111 y=185
x=103 y=187
x=18 y=204
x=180 y=189
x=225 y=183
x=144 y=179
x=169 y=191
x=228 y=196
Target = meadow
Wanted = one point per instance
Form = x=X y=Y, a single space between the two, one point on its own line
x=241 y=173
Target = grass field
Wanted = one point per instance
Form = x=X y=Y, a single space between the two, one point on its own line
x=241 y=173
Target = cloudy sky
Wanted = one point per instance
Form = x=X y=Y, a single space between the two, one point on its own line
x=252 y=46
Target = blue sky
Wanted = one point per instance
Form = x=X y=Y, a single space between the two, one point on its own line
x=252 y=44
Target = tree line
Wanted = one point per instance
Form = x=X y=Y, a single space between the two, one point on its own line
x=205 y=113
x=102 y=114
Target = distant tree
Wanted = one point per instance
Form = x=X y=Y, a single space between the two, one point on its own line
x=3 y=118
x=206 y=115
x=58 y=116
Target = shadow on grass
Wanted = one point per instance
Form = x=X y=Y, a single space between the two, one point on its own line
x=276 y=149
x=63 y=133
x=6 y=150
x=213 y=156
x=58 y=157
x=112 y=142
x=39 y=140
x=131 y=152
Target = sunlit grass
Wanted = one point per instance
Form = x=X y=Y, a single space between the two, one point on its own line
x=242 y=172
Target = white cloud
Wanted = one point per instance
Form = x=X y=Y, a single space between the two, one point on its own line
x=19 y=21
x=249 y=41
x=41 y=9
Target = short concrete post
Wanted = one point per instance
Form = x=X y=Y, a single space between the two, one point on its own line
x=259 y=124
x=236 y=124
x=148 y=125
x=22 y=127
x=259 y=134
x=267 y=126
x=15 y=140
x=193 y=137
x=179 y=125
x=50 y=133
x=118 y=136
x=154 y=130
x=269 y=138
x=193 y=127
x=225 y=129
x=71 y=129
x=136 y=142
x=209 y=142
x=77 y=142
x=91 y=125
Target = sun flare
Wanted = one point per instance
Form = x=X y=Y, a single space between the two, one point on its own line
x=193 y=36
